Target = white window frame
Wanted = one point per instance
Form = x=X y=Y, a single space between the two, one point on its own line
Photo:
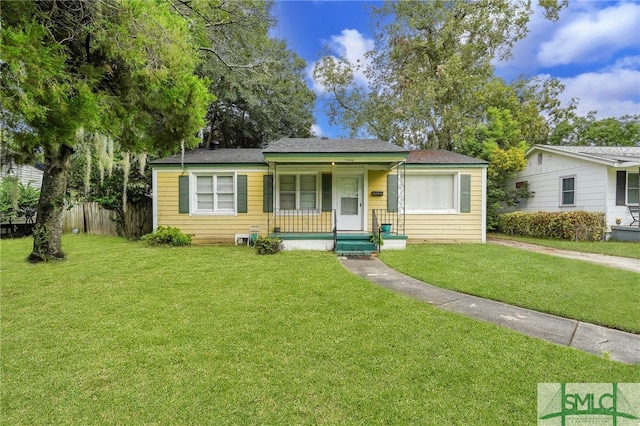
x=456 y=193
x=297 y=175
x=575 y=190
x=193 y=194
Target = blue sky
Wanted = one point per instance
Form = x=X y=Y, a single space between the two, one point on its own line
x=594 y=49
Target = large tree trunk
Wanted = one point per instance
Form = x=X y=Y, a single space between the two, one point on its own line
x=47 y=234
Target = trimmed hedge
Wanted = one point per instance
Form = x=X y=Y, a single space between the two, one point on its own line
x=574 y=225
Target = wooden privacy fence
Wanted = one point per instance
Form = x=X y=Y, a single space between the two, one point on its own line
x=92 y=218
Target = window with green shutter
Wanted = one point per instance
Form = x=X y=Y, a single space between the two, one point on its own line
x=267 y=193
x=242 y=194
x=214 y=193
x=183 y=194
x=465 y=193
x=392 y=193
x=298 y=191
x=437 y=193
x=326 y=193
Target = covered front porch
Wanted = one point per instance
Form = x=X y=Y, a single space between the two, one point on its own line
x=318 y=230
x=335 y=195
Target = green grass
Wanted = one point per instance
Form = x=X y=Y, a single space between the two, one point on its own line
x=613 y=248
x=122 y=333
x=565 y=287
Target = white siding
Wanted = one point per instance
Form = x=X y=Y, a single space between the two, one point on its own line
x=592 y=186
x=595 y=186
x=25 y=174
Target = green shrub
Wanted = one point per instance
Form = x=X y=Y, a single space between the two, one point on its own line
x=574 y=225
x=167 y=236
x=267 y=245
x=17 y=199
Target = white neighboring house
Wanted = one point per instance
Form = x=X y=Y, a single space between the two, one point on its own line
x=25 y=174
x=590 y=178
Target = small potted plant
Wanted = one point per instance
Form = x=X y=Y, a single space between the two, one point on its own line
x=618 y=221
x=377 y=239
x=385 y=228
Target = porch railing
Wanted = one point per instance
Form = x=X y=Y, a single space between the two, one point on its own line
x=382 y=216
x=304 y=221
x=375 y=228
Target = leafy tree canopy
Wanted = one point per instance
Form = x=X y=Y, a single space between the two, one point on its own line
x=622 y=131
x=259 y=83
x=125 y=69
x=430 y=76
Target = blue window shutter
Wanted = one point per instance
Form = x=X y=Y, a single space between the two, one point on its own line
x=326 y=193
x=267 y=193
x=465 y=193
x=242 y=193
x=183 y=194
x=392 y=193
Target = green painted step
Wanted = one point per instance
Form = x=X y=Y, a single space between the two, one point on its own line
x=352 y=253
x=360 y=236
x=356 y=246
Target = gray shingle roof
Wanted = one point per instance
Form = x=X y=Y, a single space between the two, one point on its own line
x=255 y=156
x=318 y=145
x=610 y=153
x=215 y=156
x=440 y=156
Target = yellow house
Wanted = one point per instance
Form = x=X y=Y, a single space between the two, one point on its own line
x=327 y=194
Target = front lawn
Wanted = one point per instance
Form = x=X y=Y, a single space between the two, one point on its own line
x=122 y=333
x=565 y=287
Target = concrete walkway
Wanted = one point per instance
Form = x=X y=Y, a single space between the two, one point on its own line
x=625 y=263
x=615 y=344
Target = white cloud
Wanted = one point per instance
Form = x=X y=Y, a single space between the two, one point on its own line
x=591 y=35
x=316 y=130
x=583 y=50
x=353 y=46
x=613 y=91
x=632 y=62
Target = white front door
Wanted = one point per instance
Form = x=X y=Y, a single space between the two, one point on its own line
x=350 y=203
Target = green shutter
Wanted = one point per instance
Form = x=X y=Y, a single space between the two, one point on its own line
x=465 y=193
x=183 y=194
x=326 y=193
x=242 y=193
x=621 y=188
x=267 y=193
x=392 y=193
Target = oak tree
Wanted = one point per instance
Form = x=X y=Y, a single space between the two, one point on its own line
x=125 y=69
x=430 y=73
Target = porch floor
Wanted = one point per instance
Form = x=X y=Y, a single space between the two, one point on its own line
x=349 y=243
